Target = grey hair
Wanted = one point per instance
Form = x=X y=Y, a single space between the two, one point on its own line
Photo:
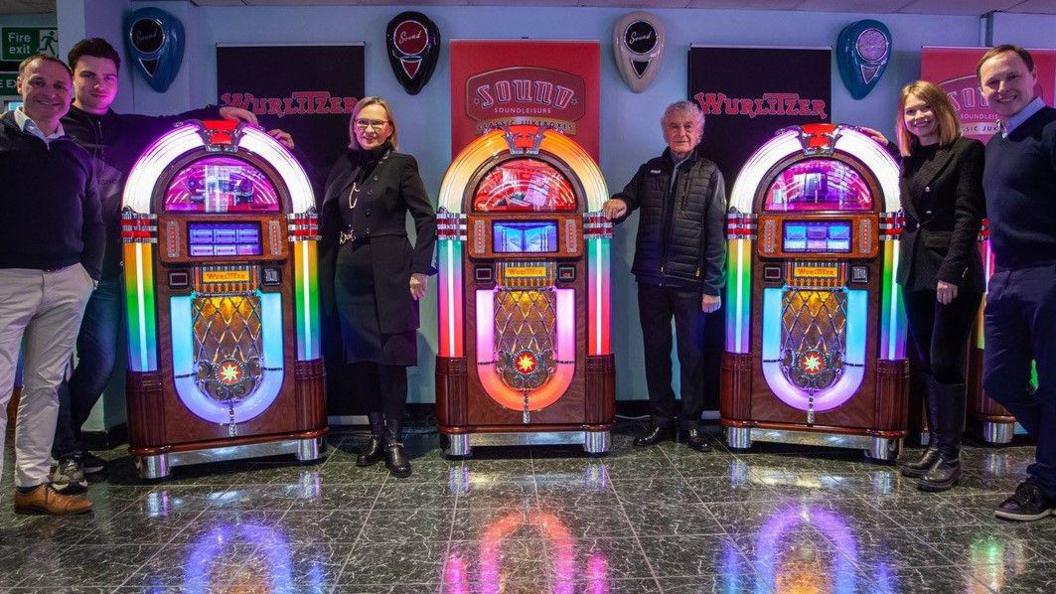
x=687 y=107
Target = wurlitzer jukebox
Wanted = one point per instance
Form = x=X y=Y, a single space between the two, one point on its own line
x=524 y=354
x=815 y=334
x=219 y=231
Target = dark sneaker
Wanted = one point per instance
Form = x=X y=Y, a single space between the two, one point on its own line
x=92 y=464
x=68 y=477
x=1027 y=504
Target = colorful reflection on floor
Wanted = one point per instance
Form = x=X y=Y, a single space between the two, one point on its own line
x=544 y=520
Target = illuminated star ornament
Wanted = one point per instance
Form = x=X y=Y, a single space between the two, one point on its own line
x=526 y=362
x=230 y=373
x=812 y=363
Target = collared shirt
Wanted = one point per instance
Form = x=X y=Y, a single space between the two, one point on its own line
x=28 y=126
x=1024 y=114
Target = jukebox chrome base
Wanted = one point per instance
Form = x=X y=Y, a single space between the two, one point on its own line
x=998 y=433
x=593 y=442
x=877 y=448
x=160 y=465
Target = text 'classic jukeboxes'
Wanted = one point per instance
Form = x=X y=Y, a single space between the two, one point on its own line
x=524 y=353
x=815 y=334
x=220 y=231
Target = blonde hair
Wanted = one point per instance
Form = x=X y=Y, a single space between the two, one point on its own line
x=945 y=117
x=394 y=139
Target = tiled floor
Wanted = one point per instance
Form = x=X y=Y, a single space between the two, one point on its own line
x=539 y=520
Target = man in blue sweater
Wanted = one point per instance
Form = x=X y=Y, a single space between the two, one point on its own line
x=1019 y=180
x=51 y=250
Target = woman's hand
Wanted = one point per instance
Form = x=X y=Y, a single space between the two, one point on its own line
x=945 y=292
x=419 y=283
x=874 y=134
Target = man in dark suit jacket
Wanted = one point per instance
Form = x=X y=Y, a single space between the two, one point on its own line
x=1020 y=322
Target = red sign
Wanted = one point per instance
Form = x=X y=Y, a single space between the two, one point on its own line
x=953 y=69
x=553 y=83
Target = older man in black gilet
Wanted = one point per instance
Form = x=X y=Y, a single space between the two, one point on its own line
x=679 y=262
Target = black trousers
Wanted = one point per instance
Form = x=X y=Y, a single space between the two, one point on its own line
x=381 y=389
x=940 y=333
x=656 y=308
x=1020 y=324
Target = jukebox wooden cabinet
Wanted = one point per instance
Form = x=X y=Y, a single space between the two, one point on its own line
x=524 y=352
x=219 y=232
x=815 y=335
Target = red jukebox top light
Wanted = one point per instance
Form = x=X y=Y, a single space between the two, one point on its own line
x=525 y=185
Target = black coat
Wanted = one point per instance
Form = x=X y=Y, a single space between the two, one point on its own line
x=682 y=229
x=387 y=194
x=943 y=196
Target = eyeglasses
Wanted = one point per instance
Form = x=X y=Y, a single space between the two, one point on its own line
x=372 y=124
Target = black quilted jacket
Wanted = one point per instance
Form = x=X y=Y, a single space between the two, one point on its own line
x=681 y=227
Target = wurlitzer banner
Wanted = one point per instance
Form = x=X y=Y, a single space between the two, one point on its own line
x=312 y=100
x=815 y=327
x=546 y=83
x=524 y=353
x=749 y=93
x=413 y=43
x=953 y=69
x=220 y=230
x=862 y=52
x=155 y=40
x=638 y=45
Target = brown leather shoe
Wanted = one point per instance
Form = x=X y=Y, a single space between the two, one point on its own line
x=46 y=500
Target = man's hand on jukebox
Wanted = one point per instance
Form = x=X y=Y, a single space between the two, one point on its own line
x=614 y=208
x=419 y=283
x=710 y=303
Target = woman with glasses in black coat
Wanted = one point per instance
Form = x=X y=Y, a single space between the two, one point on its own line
x=376 y=275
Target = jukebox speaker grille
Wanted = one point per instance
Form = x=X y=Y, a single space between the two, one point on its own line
x=525 y=331
x=227 y=345
x=814 y=344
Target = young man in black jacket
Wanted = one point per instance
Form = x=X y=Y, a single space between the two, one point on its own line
x=679 y=263
x=50 y=254
x=1019 y=181
x=116 y=141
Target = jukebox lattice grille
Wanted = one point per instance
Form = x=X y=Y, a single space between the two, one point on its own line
x=814 y=328
x=525 y=332
x=227 y=345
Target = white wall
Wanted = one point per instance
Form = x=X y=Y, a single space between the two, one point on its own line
x=629 y=133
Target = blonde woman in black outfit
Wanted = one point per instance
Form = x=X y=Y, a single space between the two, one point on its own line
x=377 y=276
x=940 y=270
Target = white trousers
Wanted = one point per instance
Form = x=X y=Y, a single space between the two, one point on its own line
x=45 y=308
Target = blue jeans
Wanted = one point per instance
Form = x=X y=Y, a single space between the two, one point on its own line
x=97 y=345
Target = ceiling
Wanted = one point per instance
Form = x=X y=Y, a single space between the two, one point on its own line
x=951 y=7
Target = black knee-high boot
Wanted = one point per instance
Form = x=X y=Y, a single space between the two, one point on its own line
x=394 y=396
x=946 y=470
x=916 y=468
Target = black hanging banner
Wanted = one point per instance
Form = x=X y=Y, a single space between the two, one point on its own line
x=308 y=91
x=748 y=93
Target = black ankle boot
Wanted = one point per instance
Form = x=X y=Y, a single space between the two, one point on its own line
x=946 y=470
x=395 y=456
x=375 y=449
x=917 y=468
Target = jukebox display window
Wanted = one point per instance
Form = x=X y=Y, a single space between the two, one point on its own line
x=524 y=345
x=219 y=232
x=815 y=329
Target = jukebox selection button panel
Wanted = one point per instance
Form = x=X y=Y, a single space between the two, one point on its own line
x=846 y=236
x=224 y=239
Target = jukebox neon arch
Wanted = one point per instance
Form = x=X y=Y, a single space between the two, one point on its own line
x=220 y=231
x=809 y=208
x=520 y=208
